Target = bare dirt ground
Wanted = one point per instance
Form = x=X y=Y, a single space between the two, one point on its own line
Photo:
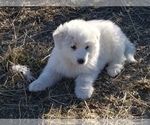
x=26 y=39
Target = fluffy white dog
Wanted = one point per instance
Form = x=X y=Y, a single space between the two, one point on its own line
x=82 y=49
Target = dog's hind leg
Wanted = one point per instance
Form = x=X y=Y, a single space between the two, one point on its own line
x=117 y=64
x=114 y=69
x=130 y=51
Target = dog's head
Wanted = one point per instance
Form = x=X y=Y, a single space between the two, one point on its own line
x=77 y=41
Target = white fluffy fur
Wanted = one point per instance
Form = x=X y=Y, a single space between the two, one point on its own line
x=97 y=42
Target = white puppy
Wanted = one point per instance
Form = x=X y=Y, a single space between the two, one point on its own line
x=82 y=49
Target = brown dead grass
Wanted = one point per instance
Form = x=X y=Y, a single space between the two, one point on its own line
x=26 y=39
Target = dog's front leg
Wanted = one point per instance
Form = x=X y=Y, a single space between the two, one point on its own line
x=84 y=85
x=47 y=78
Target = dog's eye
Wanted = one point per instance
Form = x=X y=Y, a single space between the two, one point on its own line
x=74 y=47
x=86 y=47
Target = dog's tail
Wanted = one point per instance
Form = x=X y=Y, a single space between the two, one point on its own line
x=130 y=51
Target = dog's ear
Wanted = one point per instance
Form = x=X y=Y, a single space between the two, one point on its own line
x=59 y=35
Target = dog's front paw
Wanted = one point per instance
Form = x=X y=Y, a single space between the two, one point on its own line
x=114 y=70
x=84 y=92
x=36 y=86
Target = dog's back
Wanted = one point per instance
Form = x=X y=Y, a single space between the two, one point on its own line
x=112 y=35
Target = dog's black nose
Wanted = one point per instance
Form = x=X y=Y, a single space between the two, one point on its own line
x=80 y=61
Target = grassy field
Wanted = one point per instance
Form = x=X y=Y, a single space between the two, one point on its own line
x=26 y=39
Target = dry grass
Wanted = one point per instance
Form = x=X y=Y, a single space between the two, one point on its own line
x=26 y=38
